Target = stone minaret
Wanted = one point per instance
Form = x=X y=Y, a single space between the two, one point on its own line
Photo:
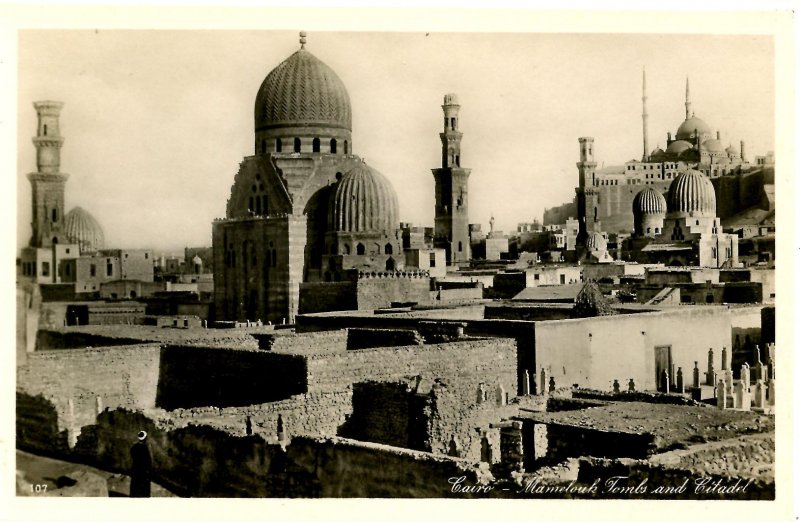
x=48 y=182
x=451 y=230
x=688 y=102
x=586 y=167
x=645 y=148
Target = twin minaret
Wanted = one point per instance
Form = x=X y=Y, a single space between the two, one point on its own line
x=48 y=182
x=451 y=223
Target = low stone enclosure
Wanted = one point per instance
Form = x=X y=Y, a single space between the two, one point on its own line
x=395 y=409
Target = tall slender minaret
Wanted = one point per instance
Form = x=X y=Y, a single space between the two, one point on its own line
x=451 y=220
x=645 y=148
x=688 y=101
x=48 y=182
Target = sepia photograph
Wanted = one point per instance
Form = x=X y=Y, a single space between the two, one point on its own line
x=315 y=260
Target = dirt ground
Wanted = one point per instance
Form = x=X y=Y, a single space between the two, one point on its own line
x=40 y=470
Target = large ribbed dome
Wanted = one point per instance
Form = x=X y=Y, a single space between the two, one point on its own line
x=687 y=129
x=692 y=192
x=649 y=201
x=82 y=228
x=364 y=201
x=302 y=91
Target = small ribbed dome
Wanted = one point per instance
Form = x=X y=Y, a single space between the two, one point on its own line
x=302 y=91
x=649 y=201
x=713 y=145
x=687 y=128
x=196 y=260
x=678 y=146
x=82 y=228
x=732 y=151
x=656 y=151
x=692 y=192
x=364 y=201
x=596 y=242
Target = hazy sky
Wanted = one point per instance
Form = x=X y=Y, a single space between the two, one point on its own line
x=156 y=122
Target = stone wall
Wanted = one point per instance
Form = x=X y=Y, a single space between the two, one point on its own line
x=194 y=376
x=389 y=413
x=348 y=468
x=461 y=364
x=119 y=376
x=300 y=343
x=593 y=352
x=359 y=338
x=64 y=340
x=326 y=297
x=381 y=292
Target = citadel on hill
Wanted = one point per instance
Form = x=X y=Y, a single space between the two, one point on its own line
x=320 y=347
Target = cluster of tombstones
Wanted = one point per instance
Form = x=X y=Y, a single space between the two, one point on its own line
x=545 y=385
x=755 y=387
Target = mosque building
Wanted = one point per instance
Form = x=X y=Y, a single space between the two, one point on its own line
x=67 y=250
x=309 y=225
x=605 y=195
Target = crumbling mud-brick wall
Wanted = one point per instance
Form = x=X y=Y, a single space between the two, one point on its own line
x=359 y=338
x=345 y=468
x=463 y=364
x=389 y=413
x=120 y=376
x=194 y=376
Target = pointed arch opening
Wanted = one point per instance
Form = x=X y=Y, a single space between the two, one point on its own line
x=315 y=145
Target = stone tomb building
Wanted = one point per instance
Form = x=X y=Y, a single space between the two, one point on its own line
x=304 y=209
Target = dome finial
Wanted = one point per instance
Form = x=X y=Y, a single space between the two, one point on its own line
x=302 y=39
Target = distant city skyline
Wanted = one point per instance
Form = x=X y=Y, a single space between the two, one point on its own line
x=156 y=122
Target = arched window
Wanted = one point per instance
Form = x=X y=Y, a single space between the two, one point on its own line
x=453 y=123
x=390 y=265
x=264 y=207
x=333 y=145
x=360 y=250
x=258 y=205
x=387 y=249
x=648 y=230
x=346 y=249
x=278 y=145
x=458 y=160
x=297 y=144
x=55 y=215
x=346 y=149
x=460 y=246
x=315 y=145
x=595 y=213
x=45 y=129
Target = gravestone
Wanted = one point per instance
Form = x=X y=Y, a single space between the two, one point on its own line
x=744 y=376
x=679 y=381
x=724 y=358
x=710 y=380
x=631 y=386
x=696 y=376
x=665 y=381
x=543 y=381
x=616 y=386
x=500 y=395
x=771 y=393
x=760 y=394
x=721 y=395
x=526 y=383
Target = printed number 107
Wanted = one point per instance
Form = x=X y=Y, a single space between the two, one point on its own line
x=38 y=488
